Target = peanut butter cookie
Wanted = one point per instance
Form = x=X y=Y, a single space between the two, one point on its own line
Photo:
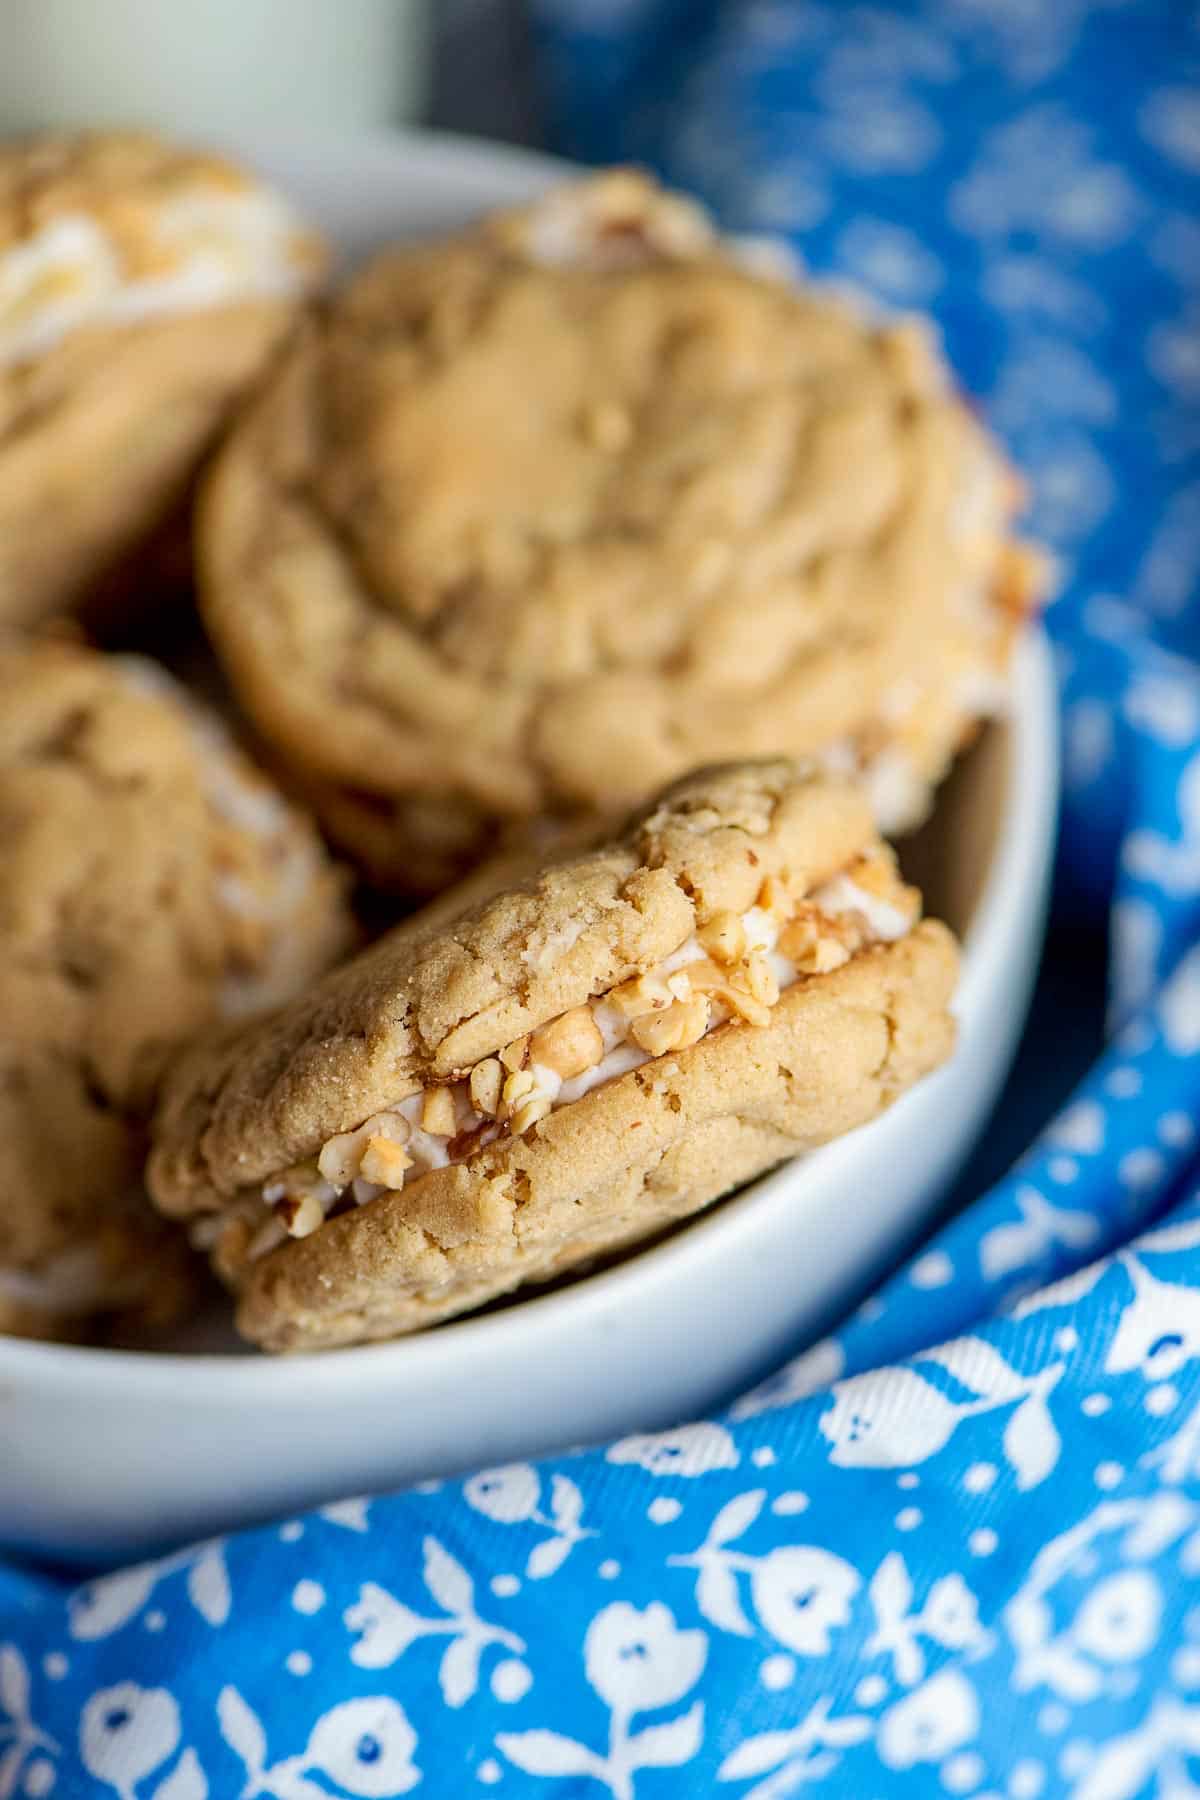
x=566 y=1067
x=151 y=882
x=143 y=288
x=539 y=517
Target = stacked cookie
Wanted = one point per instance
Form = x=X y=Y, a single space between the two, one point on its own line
x=575 y=559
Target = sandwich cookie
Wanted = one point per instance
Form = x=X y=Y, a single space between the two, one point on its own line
x=143 y=289
x=537 y=518
x=152 y=882
x=564 y=1069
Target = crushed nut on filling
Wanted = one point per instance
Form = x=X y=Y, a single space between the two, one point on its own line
x=734 y=967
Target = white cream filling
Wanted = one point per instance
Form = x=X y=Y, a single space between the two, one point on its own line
x=220 y=248
x=75 y=1281
x=310 y=1196
x=582 y=226
x=62 y=277
x=898 y=793
x=249 y=805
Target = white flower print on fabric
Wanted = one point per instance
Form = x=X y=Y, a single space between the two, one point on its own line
x=1170 y=118
x=1088 y=741
x=103 y=1606
x=362 y=1748
x=1168 y=1736
x=690 y=1450
x=1159 y=1329
x=1118 y=1619
x=1169 y=575
x=1009 y=1248
x=889 y=261
x=1031 y=39
x=819 y=1367
x=1172 y=865
x=1079 y=1129
x=21 y=1740
x=949 y=1617
x=926 y=1725
x=512 y=1496
x=1051 y=375
x=351 y=1515
x=800 y=1592
x=1036 y=286
x=386 y=1627
x=1072 y=485
x=637 y=1662
x=1173 y=354
x=1136 y=936
x=806 y=1754
x=1039 y=173
x=1179 y=1007
x=893 y=1418
x=126 y=1733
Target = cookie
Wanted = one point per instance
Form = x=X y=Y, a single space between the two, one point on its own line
x=151 y=883
x=534 y=520
x=490 y=1099
x=143 y=289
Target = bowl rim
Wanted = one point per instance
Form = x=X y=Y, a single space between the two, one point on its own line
x=1013 y=879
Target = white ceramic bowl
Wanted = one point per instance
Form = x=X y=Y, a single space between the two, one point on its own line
x=107 y=1453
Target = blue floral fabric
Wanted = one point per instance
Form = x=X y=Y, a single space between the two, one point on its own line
x=954 y=1548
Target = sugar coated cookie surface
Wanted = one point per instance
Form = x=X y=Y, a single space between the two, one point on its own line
x=536 y=518
x=152 y=881
x=487 y=1099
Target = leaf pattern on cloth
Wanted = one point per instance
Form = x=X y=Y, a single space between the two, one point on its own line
x=954 y=1547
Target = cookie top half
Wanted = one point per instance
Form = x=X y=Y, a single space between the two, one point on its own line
x=543 y=515
x=152 y=882
x=482 y=1097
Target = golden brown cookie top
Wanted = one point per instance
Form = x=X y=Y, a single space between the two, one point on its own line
x=105 y=228
x=152 y=880
x=549 y=512
x=433 y=998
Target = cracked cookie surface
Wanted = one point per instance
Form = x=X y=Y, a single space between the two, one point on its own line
x=143 y=289
x=537 y=518
x=152 y=881
x=484 y=1100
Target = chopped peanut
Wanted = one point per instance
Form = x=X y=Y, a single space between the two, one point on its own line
x=707 y=978
x=877 y=874
x=529 y=1112
x=643 y=994
x=518 y=1086
x=485 y=1084
x=774 y=898
x=301 y=1217
x=513 y=1055
x=341 y=1156
x=759 y=978
x=437 y=1112
x=683 y=1023
x=569 y=1044
x=740 y=1001
x=810 y=942
x=723 y=937
x=384 y=1162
